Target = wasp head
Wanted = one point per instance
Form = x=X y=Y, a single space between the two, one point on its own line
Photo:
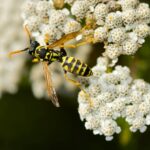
x=33 y=45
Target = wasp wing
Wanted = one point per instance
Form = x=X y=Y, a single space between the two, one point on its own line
x=50 y=89
x=64 y=39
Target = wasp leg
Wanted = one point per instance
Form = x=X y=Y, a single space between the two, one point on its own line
x=76 y=83
x=73 y=81
x=35 y=60
x=46 y=39
x=86 y=41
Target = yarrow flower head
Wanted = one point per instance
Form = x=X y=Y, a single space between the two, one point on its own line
x=123 y=24
x=114 y=94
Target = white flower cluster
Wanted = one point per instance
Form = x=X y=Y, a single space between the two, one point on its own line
x=123 y=30
x=113 y=95
x=122 y=25
x=43 y=18
x=11 y=29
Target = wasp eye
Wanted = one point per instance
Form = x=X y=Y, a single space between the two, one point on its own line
x=33 y=46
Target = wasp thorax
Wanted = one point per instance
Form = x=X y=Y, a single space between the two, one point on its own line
x=63 y=52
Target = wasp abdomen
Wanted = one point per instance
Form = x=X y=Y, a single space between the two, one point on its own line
x=75 y=66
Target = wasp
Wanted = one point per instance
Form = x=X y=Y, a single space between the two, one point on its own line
x=47 y=55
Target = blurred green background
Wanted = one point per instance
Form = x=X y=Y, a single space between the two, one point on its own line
x=30 y=124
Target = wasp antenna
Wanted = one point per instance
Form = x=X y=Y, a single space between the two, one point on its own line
x=16 y=52
x=28 y=32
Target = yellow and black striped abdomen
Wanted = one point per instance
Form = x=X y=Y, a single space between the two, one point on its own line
x=75 y=66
